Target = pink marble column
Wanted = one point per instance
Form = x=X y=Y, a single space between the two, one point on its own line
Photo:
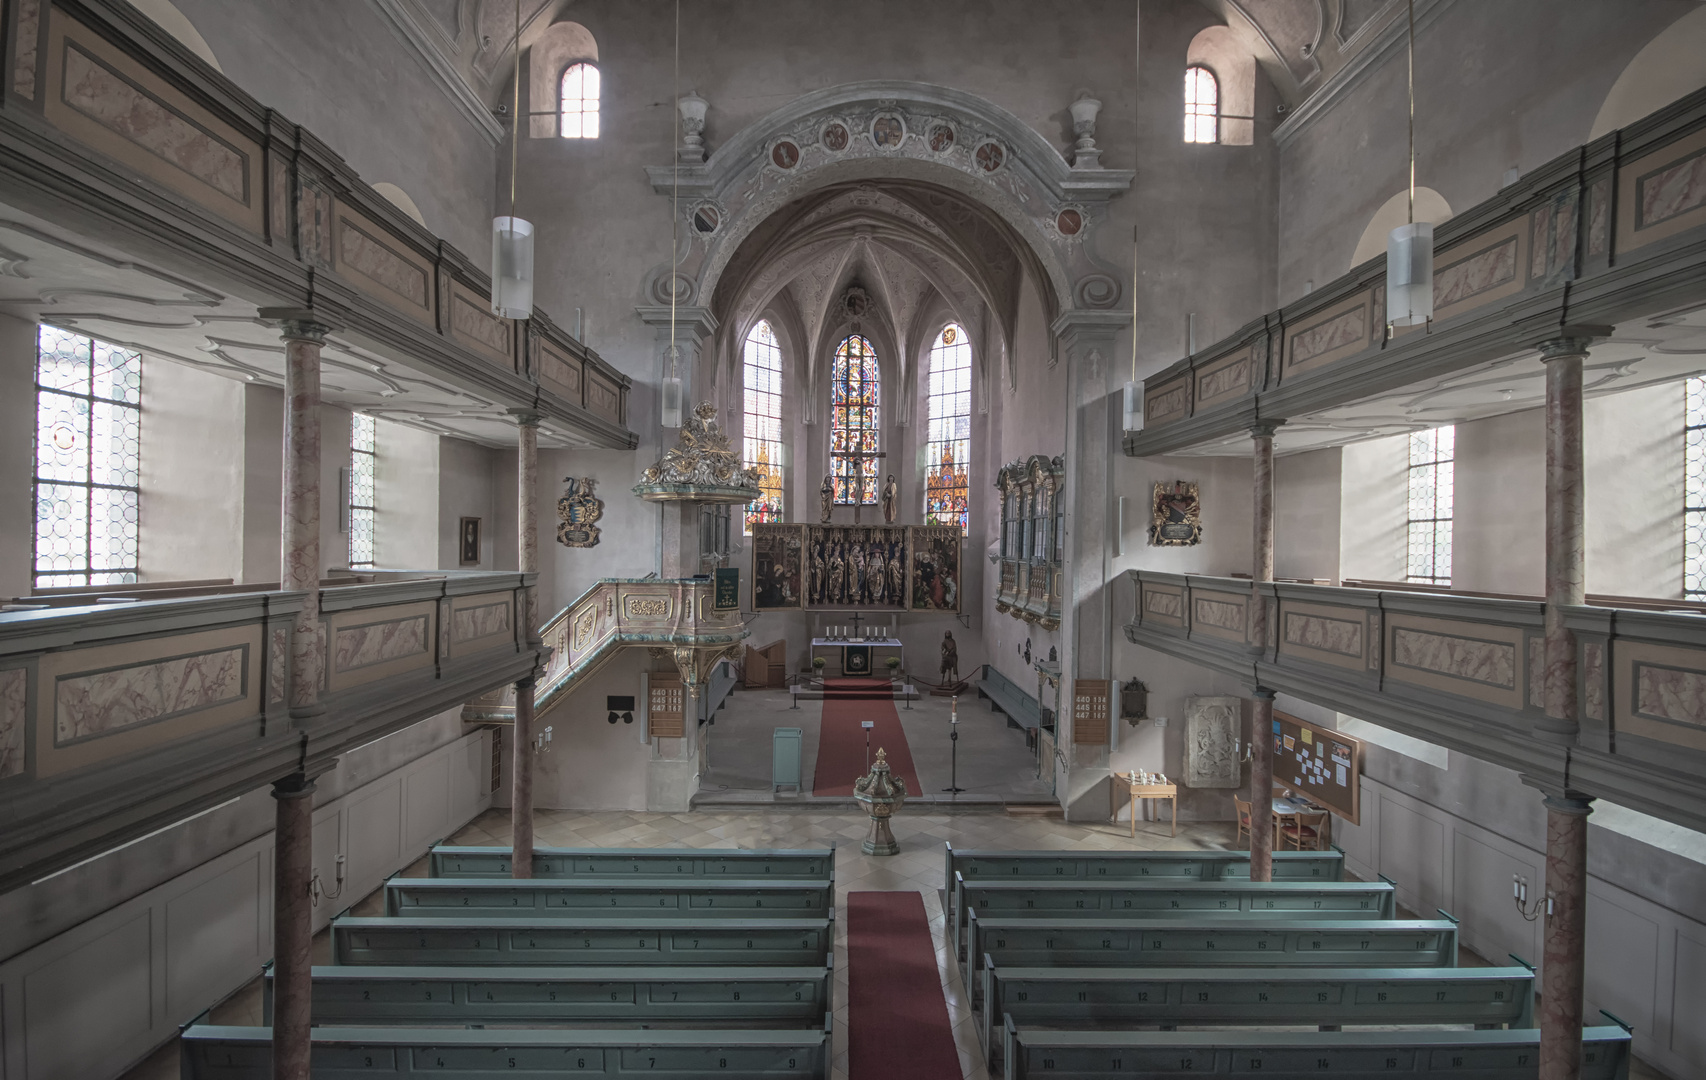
x=293 y=927
x=299 y=558
x=1566 y=929
x=1262 y=539
x=1564 y=531
x=521 y=782
x=1262 y=786
x=521 y=748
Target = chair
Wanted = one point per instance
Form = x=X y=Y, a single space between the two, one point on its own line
x=1243 y=818
x=1304 y=830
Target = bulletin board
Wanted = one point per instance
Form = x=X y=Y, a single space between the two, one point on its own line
x=1320 y=764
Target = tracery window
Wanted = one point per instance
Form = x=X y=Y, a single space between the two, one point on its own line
x=88 y=459
x=363 y=445
x=948 y=451
x=762 y=405
x=580 y=102
x=1202 y=106
x=1694 y=493
x=1431 y=485
x=854 y=389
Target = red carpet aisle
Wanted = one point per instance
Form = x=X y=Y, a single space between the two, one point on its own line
x=897 y=1019
x=841 y=742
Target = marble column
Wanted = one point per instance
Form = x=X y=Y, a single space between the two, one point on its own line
x=1262 y=786
x=1565 y=548
x=1566 y=931
x=299 y=561
x=521 y=741
x=1262 y=516
x=293 y=927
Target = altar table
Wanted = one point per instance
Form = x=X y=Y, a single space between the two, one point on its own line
x=856 y=657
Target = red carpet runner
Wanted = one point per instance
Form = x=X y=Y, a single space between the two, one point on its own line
x=897 y=1019
x=841 y=742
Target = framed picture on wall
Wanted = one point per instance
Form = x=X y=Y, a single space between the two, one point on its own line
x=468 y=545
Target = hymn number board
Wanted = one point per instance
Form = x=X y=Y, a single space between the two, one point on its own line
x=1319 y=763
x=1090 y=712
x=667 y=706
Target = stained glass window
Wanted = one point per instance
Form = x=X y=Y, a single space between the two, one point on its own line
x=763 y=422
x=948 y=452
x=88 y=456
x=580 y=102
x=1202 y=106
x=363 y=445
x=853 y=421
x=1694 y=493
x=1431 y=477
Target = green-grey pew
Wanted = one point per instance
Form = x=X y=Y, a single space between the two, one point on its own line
x=1069 y=942
x=770 y=997
x=1115 y=997
x=447 y=861
x=620 y=897
x=501 y=941
x=1233 y=900
x=245 y=1053
x=1511 y=1054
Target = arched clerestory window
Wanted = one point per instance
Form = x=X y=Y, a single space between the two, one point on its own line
x=1202 y=105
x=948 y=451
x=761 y=363
x=854 y=393
x=579 y=102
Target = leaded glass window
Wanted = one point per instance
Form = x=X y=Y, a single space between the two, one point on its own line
x=1202 y=106
x=762 y=405
x=580 y=102
x=364 y=448
x=854 y=390
x=948 y=452
x=1431 y=480
x=1694 y=493
x=88 y=458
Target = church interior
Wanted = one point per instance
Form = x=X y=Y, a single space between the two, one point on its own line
x=626 y=538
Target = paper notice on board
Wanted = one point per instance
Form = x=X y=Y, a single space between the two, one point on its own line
x=1308 y=736
x=1340 y=770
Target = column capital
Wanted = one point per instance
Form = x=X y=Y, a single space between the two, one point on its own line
x=1578 y=805
x=1264 y=429
x=526 y=417
x=1262 y=692
x=294 y=786
x=298 y=324
x=1567 y=341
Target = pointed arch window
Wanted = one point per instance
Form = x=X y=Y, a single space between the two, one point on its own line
x=762 y=420
x=579 y=98
x=854 y=393
x=948 y=452
x=1202 y=105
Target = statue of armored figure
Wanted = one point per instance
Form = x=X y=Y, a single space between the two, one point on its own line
x=950 y=658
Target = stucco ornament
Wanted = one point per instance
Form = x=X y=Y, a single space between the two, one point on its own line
x=701 y=466
x=578 y=509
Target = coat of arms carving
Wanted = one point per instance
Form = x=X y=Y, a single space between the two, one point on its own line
x=578 y=510
x=1177 y=515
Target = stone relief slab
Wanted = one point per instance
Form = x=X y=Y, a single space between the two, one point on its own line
x=1211 y=742
x=1471 y=659
x=1167 y=403
x=88 y=705
x=13 y=687
x=375 y=643
x=1230 y=379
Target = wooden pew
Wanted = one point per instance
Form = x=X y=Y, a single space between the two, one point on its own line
x=1067 y=942
x=245 y=1053
x=983 y=864
x=619 y=897
x=1512 y=1054
x=484 y=862
x=1113 y=997
x=749 y=997
x=609 y=941
x=1233 y=900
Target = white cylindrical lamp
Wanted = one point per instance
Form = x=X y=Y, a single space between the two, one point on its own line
x=512 y=267
x=1410 y=274
x=1134 y=405
x=670 y=392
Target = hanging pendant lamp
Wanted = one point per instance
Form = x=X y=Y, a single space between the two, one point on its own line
x=1410 y=248
x=512 y=237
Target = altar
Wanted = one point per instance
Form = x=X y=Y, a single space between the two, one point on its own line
x=856 y=656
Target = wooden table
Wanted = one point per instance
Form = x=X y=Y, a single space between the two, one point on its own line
x=1155 y=791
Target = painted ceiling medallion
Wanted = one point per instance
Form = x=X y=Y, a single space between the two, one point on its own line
x=834 y=136
x=990 y=156
x=785 y=155
x=888 y=131
x=1070 y=222
x=706 y=219
x=941 y=138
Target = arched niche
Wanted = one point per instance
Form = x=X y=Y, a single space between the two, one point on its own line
x=401 y=199
x=1221 y=50
x=176 y=23
x=551 y=53
x=1430 y=206
x=1669 y=66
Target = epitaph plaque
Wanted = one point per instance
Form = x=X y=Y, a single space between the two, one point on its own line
x=1211 y=742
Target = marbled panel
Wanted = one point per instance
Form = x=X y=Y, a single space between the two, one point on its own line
x=1671 y=693
x=102 y=702
x=125 y=109
x=375 y=643
x=1328 y=635
x=13 y=700
x=278 y=199
x=278 y=663
x=1537 y=672
x=1541 y=241
x=1172 y=605
x=1673 y=190
x=24 y=65
x=1348 y=328
x=602 y=398
x=314 y=224
x=477 y=325
x=1167 y=404
x=1490 y=662
x=1232 y=378
x=478 y=622
x=1374 y=641
x=1599 y=217
x=1593 y=680
x=1476 y=274
x=561 y=375
x=376 y=261
x=1217 y=613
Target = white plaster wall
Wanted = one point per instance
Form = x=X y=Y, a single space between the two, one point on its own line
x=1498 y=530
x=594 y=765
x=263 y=482
x=1307 y=489
x=467 y=487
x=17 y=454
x=1374 y=508
x=406 y=520
x=1633 y=450
x=190 y=479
